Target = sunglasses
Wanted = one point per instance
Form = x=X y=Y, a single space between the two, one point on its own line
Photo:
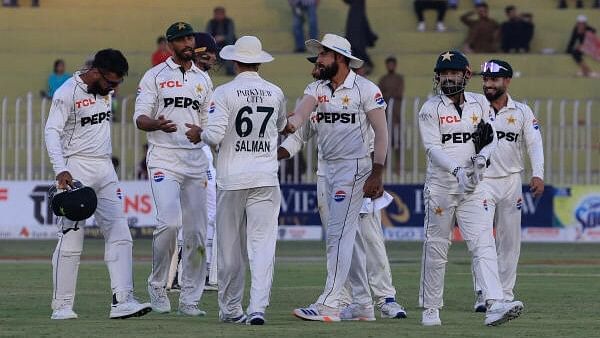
x=491 y=67
x=111 y=84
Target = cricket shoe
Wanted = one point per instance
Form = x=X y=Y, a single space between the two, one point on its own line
x=63 y=313
x=128 y=307
x=501 y=312
x=159 y=300
x=210 y=287
x=256 y=318
x=190 y=310
x=318 y=312
x=431 y=317
x=355 y=311
x=391 y=309
x=479 y=302
x=241 y=319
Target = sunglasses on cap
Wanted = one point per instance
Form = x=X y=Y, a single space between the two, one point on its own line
x=111 y=84
x=491 y=67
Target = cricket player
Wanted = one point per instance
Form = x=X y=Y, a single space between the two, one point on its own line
x=171 y=105
x=517 y=129
x=452 y=191
x=347 y=105
x=378 y=267
x=78 y=141
x=245 y=117
x=205 y=58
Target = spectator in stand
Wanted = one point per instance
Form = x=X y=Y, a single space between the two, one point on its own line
x=359 y=33
x=392 y=87
x=562 y=4
x=483 y=31
x=300 y=10
x=439 y=5
x=574 y=47
x=162 y=51
x=516 y=32
x=222 y=29
x=57 y=78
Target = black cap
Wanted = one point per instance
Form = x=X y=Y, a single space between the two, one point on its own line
x=204 y=43
x=496 y=68
x=452 y=59
x=179 y=29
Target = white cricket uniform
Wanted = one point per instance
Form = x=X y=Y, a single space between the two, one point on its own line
x=516 y=128
x=211 y=204
x=77 y=138
x=177 y=171
x=378 y=267
x=343 y=142
x=446 y=136
x=246 y=115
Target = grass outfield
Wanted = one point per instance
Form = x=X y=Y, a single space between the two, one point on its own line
x=557 y=282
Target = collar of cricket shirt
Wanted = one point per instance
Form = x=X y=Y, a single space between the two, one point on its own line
x=468 y=99
x=510 y=105
x=348 y=82
x=174 y=66
x=79 y=80
x=247 y=74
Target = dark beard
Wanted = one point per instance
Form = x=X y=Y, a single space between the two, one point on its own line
x=181 y=56
x=96 y=89
x=327 y=72
x=495 y=96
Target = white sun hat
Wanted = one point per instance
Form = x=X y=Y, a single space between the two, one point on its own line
x=337 y=44
x=581 y=18
x=246 y=49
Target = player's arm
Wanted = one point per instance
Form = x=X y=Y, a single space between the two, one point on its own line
x=57 y=118
x=303 y=109
x=218 y=120
x=431 y=136
x=373 y=187
x=294 y=142
x=194 y=132
x=146 y=105
x=535 y=150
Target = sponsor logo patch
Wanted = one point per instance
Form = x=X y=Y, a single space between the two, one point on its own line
x=119 y=193
x=211 y=108
x=519 y=203
x=379 y=99
x=339 y=196
x=535 y=124
x=158 y=176
x=485 y=204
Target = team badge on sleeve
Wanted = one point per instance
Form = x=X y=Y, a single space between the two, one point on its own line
x=485 y=204
x=138 y=91
x=211 y=108
x=379 y=99
x=535 y=124
x=119 y=193
x=158 y=176
x=339 y=196
x=519 y=204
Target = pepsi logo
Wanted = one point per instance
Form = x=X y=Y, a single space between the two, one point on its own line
x=158 y=176
x=485 y=204
x=339 y=196
x=519 y=203
x=379 y=99
x=211 y=108
x=119 y=193
x=535 y=124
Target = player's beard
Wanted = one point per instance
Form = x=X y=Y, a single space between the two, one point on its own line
x=96 y=89
x=327 y=72
x=493 y=96
x=181 y=54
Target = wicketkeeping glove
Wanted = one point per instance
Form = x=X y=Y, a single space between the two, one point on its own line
x=465 y=185
x=479 y=165
x=483 y=135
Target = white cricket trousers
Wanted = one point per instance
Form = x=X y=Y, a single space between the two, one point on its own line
x=506 y=200
x=98 y=174
x=474 y=216
x=179 y=192
x=344 y=240
x=379 y=273
x=247 y=222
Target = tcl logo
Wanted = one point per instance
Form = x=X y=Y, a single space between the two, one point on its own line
x=449 y=119
x=170 y=84
x=323 y=98
x=138 y=203
x=84 y=103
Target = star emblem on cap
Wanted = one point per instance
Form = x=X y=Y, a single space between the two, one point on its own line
x=447 y=56
x=474 y=119
x=438 y=211
x=199 y=88
x=181 y=26
x=511 y=119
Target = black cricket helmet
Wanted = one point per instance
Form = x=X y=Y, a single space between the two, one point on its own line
x=450 y=85
x=75 y=203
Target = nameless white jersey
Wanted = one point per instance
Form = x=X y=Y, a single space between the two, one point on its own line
x=244 y=120
x=442 y=127
x=78 y=124
x=181 y=97
x=343 y=127
x=517 y=128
